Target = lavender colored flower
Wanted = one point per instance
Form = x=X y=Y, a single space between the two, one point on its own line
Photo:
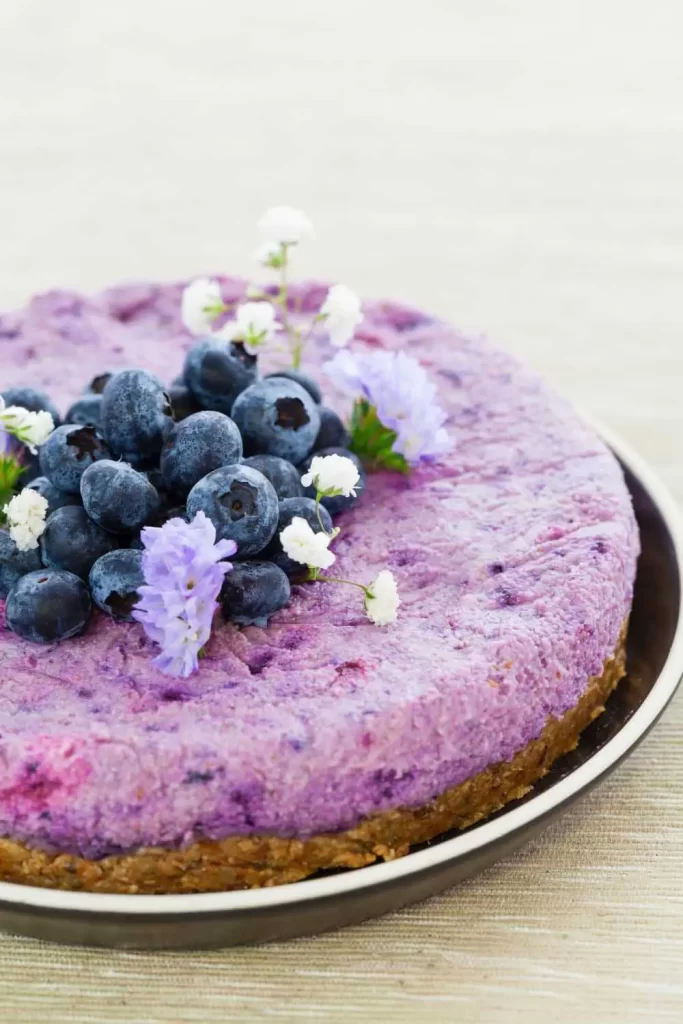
x=184 y=569
x=5 y=438
x=393 y=388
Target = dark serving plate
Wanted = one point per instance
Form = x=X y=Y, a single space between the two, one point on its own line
x=655 y=666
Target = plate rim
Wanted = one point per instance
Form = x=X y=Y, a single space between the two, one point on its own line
x=488 y=833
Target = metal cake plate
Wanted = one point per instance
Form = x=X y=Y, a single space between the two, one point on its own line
x=655 y=666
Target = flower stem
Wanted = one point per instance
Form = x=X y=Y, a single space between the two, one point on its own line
x=317 y=512
x=336 y=579
x=296 y=351
x=282 y=300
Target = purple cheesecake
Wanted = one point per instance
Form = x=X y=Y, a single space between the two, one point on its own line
x=322 y=740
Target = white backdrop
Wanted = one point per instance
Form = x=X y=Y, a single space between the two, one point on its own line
x=515 y=166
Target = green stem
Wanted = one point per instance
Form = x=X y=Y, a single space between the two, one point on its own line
x=284 y=288
x=296 y=351
x=336 y=579
x=317 y=512
x=282 y=299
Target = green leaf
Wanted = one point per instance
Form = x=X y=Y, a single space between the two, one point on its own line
x=10 y=473
x=372 y=442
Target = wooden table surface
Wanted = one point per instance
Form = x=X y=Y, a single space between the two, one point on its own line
x=517 y=167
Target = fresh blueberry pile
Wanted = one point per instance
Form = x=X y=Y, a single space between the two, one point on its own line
x=132 y=453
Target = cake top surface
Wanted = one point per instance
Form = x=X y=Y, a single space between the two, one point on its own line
x=515 y=559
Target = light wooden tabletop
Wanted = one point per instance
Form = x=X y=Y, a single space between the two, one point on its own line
x=517 y=167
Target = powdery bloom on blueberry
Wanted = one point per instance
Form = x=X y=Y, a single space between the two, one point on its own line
x=404 y=397
x=285 y=225
x=382 y=600
x=303 y=545
x=255 y=325
x=31 y=428
x=183 y=567
x=332 y=475
x=26 y=514
x=201 y=304
x=342 y=312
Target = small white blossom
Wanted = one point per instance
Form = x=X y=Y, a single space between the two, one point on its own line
x=332 y=475
x=342 y=312
x=269 y=254
x=254 y=325
x=382 y=600
x=201 y=304
x=32 y=428
x=303 y=545
x=26 y=514
x=285 y=225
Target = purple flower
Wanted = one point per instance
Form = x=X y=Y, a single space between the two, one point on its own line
x=405 y=400
x=184 y=569
x=5 y=438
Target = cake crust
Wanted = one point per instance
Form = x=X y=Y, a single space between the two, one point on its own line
x=246 y=862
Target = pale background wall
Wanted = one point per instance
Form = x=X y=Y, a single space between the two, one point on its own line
x=516 y=166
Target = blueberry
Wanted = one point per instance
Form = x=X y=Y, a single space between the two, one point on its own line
x=156 y=479
x=22 y=455
x=252 y=592
x=159 y=484
x=99 y=382
x=332 y=433
x=72 y=541
x=277 y=417
x=282 y=474
x=241 y=504
x=115 y=579
x=86 y=410
x=68 y=452
x=178 y=512
x=289 y=508
x=216 y=372
x=303 y=380
x=136 y=416
x=183 y=402
x=203 y=442
x=14 y=563
x=118 y=498
x=54 y=497
x=339 y=503
x=33 y=400
x=48 y=605
x=28 y=460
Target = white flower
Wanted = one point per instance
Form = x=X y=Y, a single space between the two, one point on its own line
x=255 y=325
x=332 y=475
x=382 y=600
x=303 y=545
x=201 y=304
x=285 y=225
x=269 y=254
x=32 y=428
x=26 y=518
x=342 y=312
